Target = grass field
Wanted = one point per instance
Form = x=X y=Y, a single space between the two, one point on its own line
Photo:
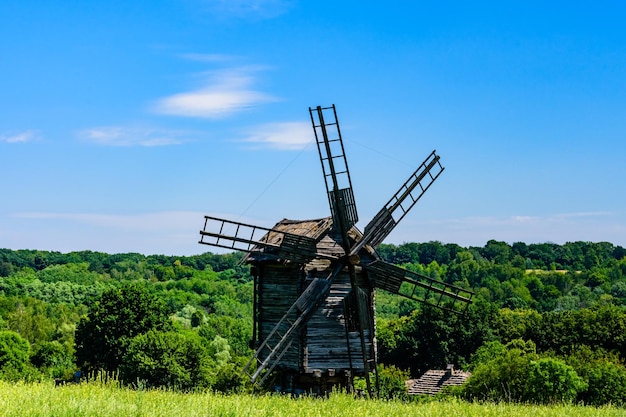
x=43 y=399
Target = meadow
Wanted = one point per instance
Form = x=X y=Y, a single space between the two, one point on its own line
x=46 y=400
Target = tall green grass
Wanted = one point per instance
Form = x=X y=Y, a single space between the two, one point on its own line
x=44 y=399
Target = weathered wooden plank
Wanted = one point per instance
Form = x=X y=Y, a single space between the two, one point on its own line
x=323 y=343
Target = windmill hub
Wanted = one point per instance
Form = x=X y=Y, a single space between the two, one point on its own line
x=354 y=259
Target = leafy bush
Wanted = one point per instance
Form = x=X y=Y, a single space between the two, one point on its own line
x=487 y=352
x=502 y=378
x=14 y=351
x=551 y=381
x=14 y=358
x=392 y=382
x=168 y=360
x=119 y=315
x=604 y=374
x=48 y=354
x=517 y=374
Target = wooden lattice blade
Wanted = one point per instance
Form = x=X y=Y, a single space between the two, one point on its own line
x=418 y=287
x=334 y=166
x=244 y=237
x=402 y=201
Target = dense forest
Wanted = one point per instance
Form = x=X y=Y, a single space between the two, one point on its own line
x=548 y=322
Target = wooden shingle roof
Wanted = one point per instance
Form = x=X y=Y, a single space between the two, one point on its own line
x=433 y=381
x=319 y=230
x=309 y=228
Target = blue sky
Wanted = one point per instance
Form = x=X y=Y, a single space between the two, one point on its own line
x=124 y=122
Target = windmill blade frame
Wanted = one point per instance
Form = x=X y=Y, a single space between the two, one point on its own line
x=419 y=287
x=229 y=234
x=410 y=192
x=341 y=200
x=334 y=166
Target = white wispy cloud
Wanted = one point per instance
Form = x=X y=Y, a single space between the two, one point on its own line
x=283 y=136
x=22 y=137
x=136 y=222
x=550 y=227
x=582 y=214
x=265 y=9
x=159 y=232
x=199 y=57
x=133 y=136
x=226 y=92
x=177 y=232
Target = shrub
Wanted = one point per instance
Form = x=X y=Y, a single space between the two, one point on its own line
x=518 y=375
x=606 y=384
x=392 y=382
x=53 y=360
x=604 y=374
x=167 y=360
x=119 y=315
x=14 y=351
x=502 y=378
x=14 y=358
x=552 y=381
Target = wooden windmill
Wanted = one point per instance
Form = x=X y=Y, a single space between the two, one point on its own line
x=315 y=280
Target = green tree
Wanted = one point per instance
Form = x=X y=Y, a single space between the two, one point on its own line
x=14 y=356
x=518 y=374
x=551 y=381
x=430 y=338
x=498 y=252
x=53 y=359
x=14 y=350
x=392 y=382
x=502 y=378
x=170 y=360
x=604 y=374
x=487 y=352
x=102 y=337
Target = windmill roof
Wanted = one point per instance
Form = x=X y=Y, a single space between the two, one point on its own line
x=309 y=228
x=316 y=229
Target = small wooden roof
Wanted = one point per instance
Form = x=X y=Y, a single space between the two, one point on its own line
x=309 y=228
x=317 y=229
x=433 y=381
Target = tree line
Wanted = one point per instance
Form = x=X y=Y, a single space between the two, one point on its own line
x=185 y=322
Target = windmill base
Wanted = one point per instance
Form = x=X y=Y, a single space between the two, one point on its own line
x=317 y=382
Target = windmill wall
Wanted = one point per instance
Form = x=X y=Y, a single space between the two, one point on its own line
x=278 y=288
x=330 y=340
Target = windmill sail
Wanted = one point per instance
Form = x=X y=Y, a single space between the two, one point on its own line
x=249 y=238
x=418 y=287
x=340 y=197
x=402 y=201
x=334 y=166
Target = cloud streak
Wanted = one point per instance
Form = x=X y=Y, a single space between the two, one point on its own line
x=281 y=136
x=132 y=136
x=559 y=228
x=226 y=92
x=23 y=137
x=177 y=232
x=264 y=9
